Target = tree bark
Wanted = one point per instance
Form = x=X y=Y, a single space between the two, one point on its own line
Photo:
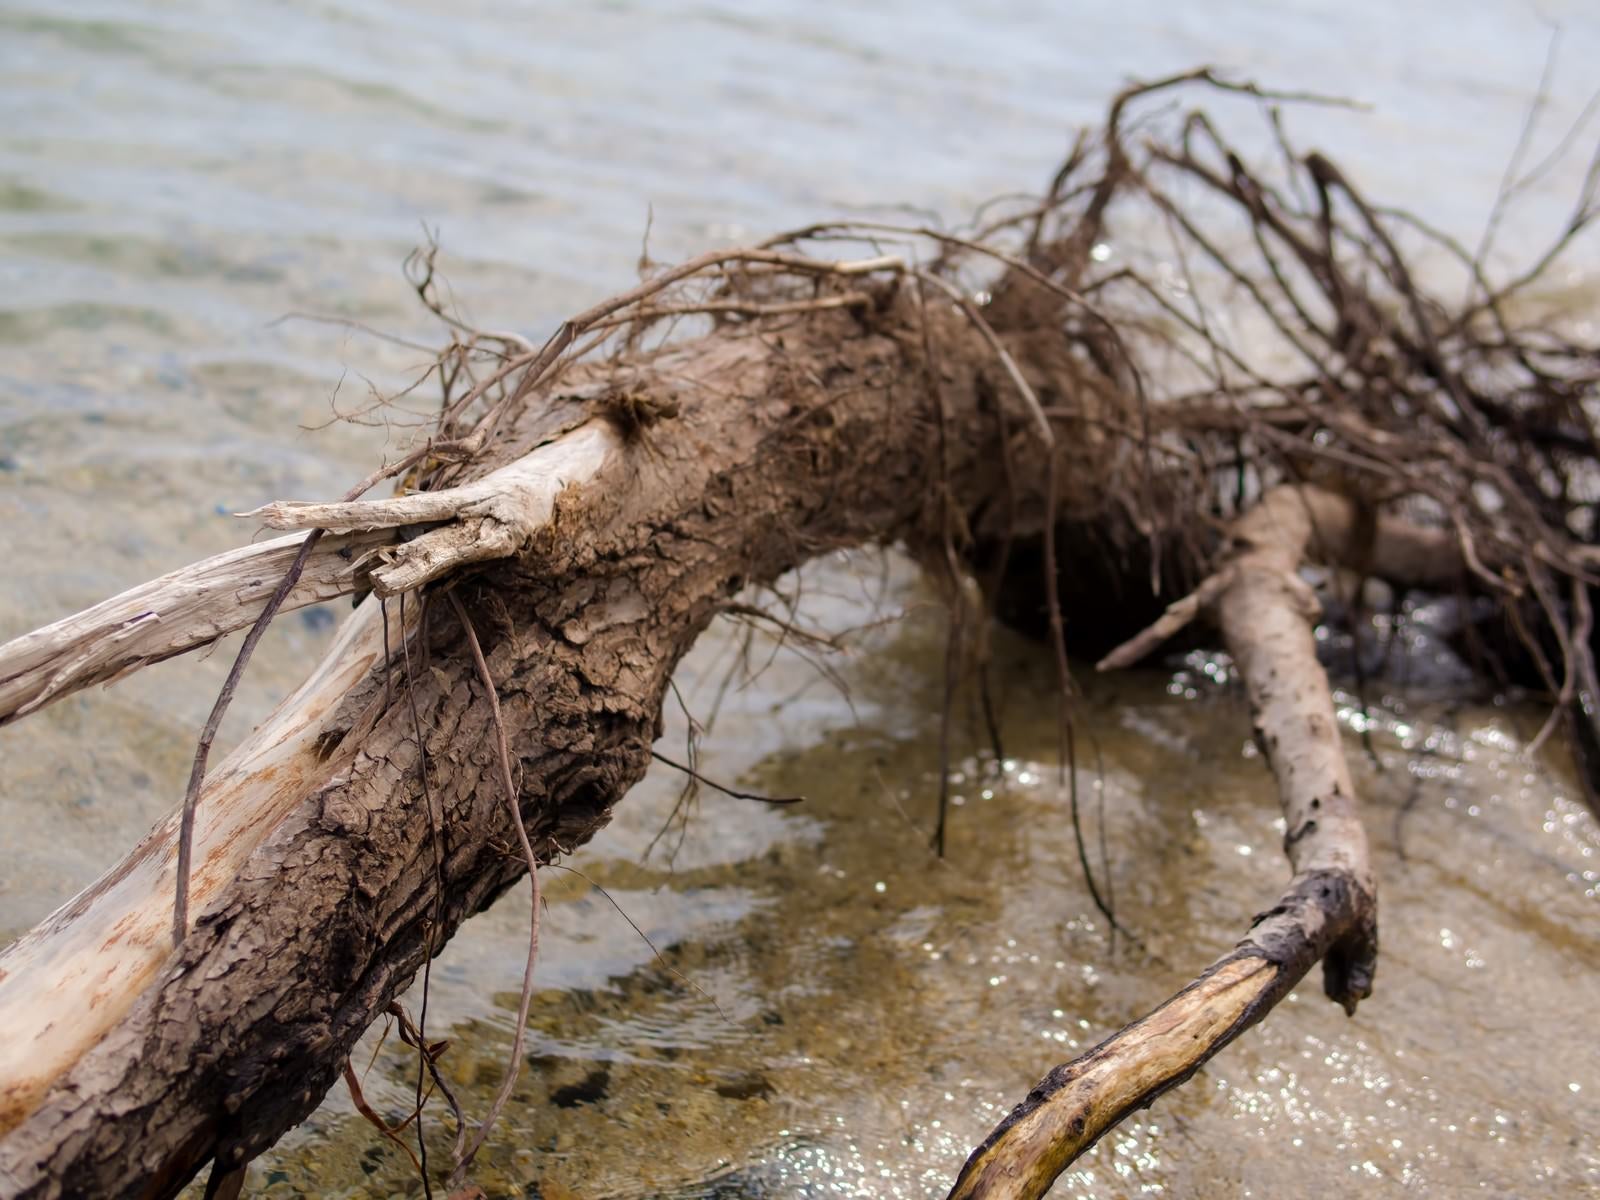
x=316 y=894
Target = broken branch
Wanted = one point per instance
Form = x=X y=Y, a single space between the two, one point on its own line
x=1328 y=912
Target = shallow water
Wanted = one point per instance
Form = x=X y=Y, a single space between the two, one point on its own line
x=835 y=1012
x=173 y=178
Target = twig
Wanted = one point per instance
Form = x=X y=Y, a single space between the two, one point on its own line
x=726 y=791
x=197 y=771
x=390 y=1132
x=514 y=1062
x=661 y=960
x=436 y=837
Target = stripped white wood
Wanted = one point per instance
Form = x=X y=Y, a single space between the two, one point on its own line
x=72 y=977
x=180 y=611
x=492 y=517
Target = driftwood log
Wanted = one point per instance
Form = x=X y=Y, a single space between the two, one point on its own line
x=315 y=877
x=584 y=508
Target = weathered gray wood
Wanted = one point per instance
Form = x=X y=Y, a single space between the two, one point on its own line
x=179 y=612
x=492 y=517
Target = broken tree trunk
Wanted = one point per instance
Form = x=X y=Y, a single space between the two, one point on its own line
x=131 y=1065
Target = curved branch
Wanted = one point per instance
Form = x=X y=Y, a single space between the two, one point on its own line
x=1328 y=912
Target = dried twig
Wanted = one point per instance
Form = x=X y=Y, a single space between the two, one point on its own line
x=726 y=791
x=507 y=782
